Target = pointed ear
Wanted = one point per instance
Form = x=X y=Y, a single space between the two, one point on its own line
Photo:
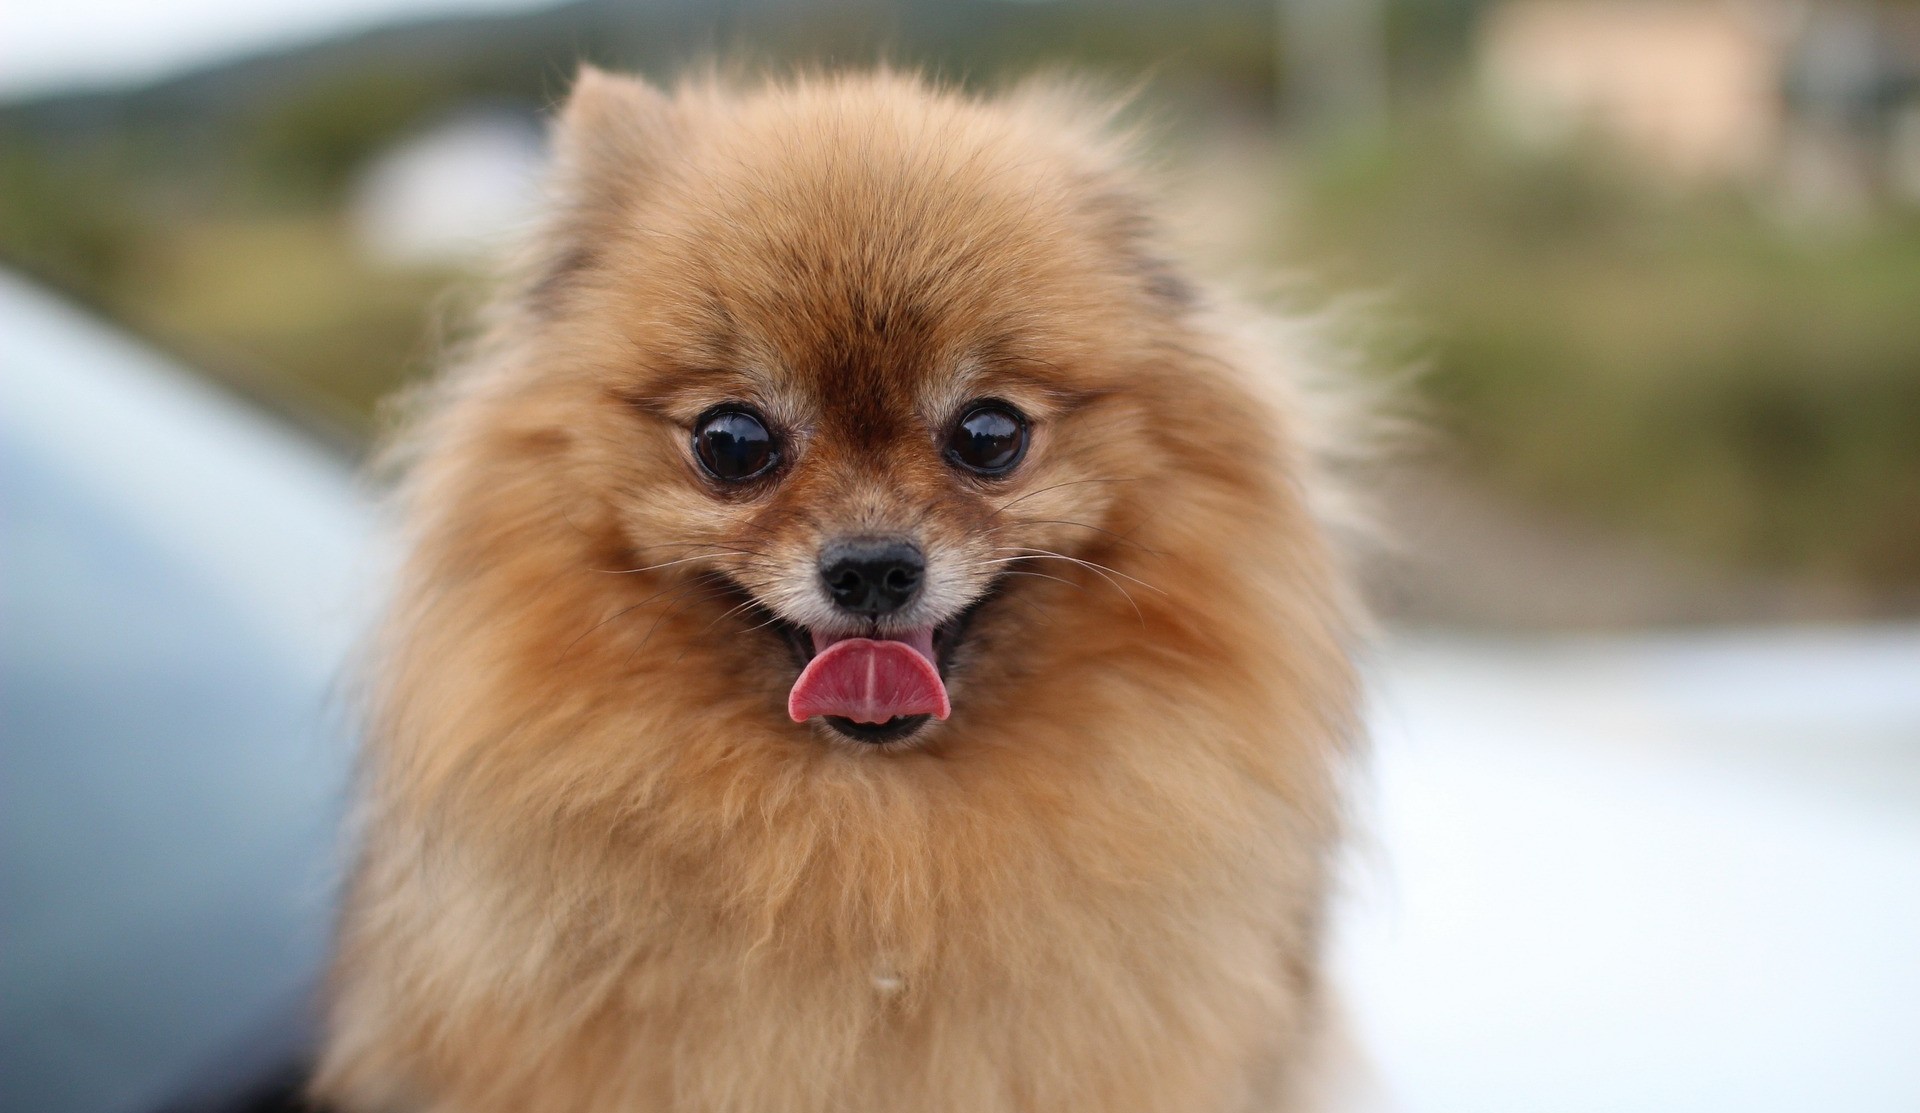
x=611 y=125
x=611 y=137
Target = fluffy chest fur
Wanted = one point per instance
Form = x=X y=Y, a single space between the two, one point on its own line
x=877 y=947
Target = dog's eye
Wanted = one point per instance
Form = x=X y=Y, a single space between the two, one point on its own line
x=734 y=444
x=989 y=439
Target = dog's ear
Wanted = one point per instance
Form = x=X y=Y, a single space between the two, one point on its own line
x=613 y=134
x=612 y=131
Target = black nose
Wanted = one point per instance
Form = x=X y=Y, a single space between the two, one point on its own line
x=872 y=577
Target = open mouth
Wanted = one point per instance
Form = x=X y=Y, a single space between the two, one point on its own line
x=874 y=687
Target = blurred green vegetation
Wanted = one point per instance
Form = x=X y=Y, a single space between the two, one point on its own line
x=258 y=282
x=1687 y=365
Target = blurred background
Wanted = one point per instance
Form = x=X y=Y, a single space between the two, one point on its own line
x=1659 y=263
x=1646 y=823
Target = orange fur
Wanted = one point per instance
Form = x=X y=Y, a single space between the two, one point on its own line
x=601 y=869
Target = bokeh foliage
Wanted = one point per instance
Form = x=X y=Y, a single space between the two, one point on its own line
x=1695 y=364
x=1687 y=364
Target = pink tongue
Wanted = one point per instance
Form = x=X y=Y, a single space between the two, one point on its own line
x=870 y=681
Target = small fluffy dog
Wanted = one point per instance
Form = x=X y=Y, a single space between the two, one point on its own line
x=867 y=643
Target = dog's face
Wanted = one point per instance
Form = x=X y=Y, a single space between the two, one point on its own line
x=865 y=499
x=882 y=396
x=864 y=393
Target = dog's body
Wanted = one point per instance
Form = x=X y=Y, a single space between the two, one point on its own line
x=604 y=870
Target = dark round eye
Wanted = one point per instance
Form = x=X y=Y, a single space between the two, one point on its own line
x=733 y=444
x=990 y=439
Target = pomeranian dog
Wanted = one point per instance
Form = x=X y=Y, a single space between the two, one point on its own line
x=868 y=641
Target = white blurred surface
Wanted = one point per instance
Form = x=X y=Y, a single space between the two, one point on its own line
x=1644 y=874
x=454 y=193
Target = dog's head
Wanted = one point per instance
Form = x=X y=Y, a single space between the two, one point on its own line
x=885 y=390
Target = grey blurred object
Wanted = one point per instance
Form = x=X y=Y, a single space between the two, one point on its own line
x=176 y=601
